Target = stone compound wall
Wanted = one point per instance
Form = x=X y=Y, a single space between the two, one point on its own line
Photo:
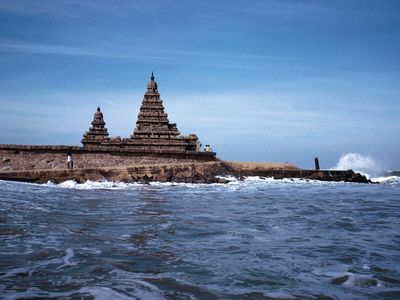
x=28 y=157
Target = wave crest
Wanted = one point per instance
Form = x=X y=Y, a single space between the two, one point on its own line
x=363 y=164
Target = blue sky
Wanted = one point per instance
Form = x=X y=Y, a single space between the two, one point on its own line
x=258 y=80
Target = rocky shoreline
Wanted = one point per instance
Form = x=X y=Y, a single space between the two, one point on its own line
x=188 y=172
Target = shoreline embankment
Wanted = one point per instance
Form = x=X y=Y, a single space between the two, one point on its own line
x=188 y=172
x=40 y=164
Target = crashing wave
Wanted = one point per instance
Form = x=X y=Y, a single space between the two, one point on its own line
x=387 y=179
x=94 y=185
x=363 y=164
x=367 y=166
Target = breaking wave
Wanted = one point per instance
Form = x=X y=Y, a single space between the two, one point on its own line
x=250 y=182
x=357 y=162
x=367 y=166
x=387 y=179
x=363 y=164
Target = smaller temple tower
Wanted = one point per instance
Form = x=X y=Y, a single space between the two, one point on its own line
x=98 y=133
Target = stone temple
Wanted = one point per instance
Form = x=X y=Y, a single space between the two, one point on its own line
x=153 y=133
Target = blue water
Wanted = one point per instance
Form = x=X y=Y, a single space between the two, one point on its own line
x=255 y=239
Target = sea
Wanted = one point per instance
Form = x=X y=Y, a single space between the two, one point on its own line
x=256 y=238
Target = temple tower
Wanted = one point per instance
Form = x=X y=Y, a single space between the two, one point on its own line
x=152 y=121
x=153 y=135
x=153 y=130
x=98 y=133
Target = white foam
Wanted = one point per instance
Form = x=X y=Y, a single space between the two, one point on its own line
x=234 y=183
x=387 y=180
x=91 y=250
x=104 y=293
x=361 y=280
x=180 y=184
x=145 y=290
x=94 y=185
x=228 y=177
x=250 y=180
x=115 y=185
x=278 y=295
x=363 y=164
x=69 y=253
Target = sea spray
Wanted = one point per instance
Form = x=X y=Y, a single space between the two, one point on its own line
x=363 y=164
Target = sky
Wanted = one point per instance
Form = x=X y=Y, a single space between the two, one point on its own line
x=270 y=81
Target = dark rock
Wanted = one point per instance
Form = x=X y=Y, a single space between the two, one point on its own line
x=222 y=180
x=340 y=280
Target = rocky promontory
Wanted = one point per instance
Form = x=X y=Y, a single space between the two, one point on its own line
x=189 y=172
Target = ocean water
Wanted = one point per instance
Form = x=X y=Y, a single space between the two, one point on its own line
x=251 y=239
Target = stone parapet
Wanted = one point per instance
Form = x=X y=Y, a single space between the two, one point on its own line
x=33 y=157
x=107 y=148
x=39 y=147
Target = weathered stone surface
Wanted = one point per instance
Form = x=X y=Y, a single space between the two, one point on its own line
x=173 y=170
x=194 y=172
x=27 y=157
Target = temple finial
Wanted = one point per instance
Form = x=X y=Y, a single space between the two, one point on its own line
x=152 y=75
x=98 y=108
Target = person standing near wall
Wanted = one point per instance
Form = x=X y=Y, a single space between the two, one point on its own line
x=207 y=148
x=70 y=161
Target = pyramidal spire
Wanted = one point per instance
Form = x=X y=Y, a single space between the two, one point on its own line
x=152 y=123
x=97 y=133
x=152 y=85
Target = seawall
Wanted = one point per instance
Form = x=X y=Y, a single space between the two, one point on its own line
x=285 y=170
x=190 y=172
x=41 y=164
x=35 y=157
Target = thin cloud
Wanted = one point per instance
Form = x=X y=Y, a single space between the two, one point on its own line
x=75 y=8
x=40 y=48
x=336 y=12
x=178 y=57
